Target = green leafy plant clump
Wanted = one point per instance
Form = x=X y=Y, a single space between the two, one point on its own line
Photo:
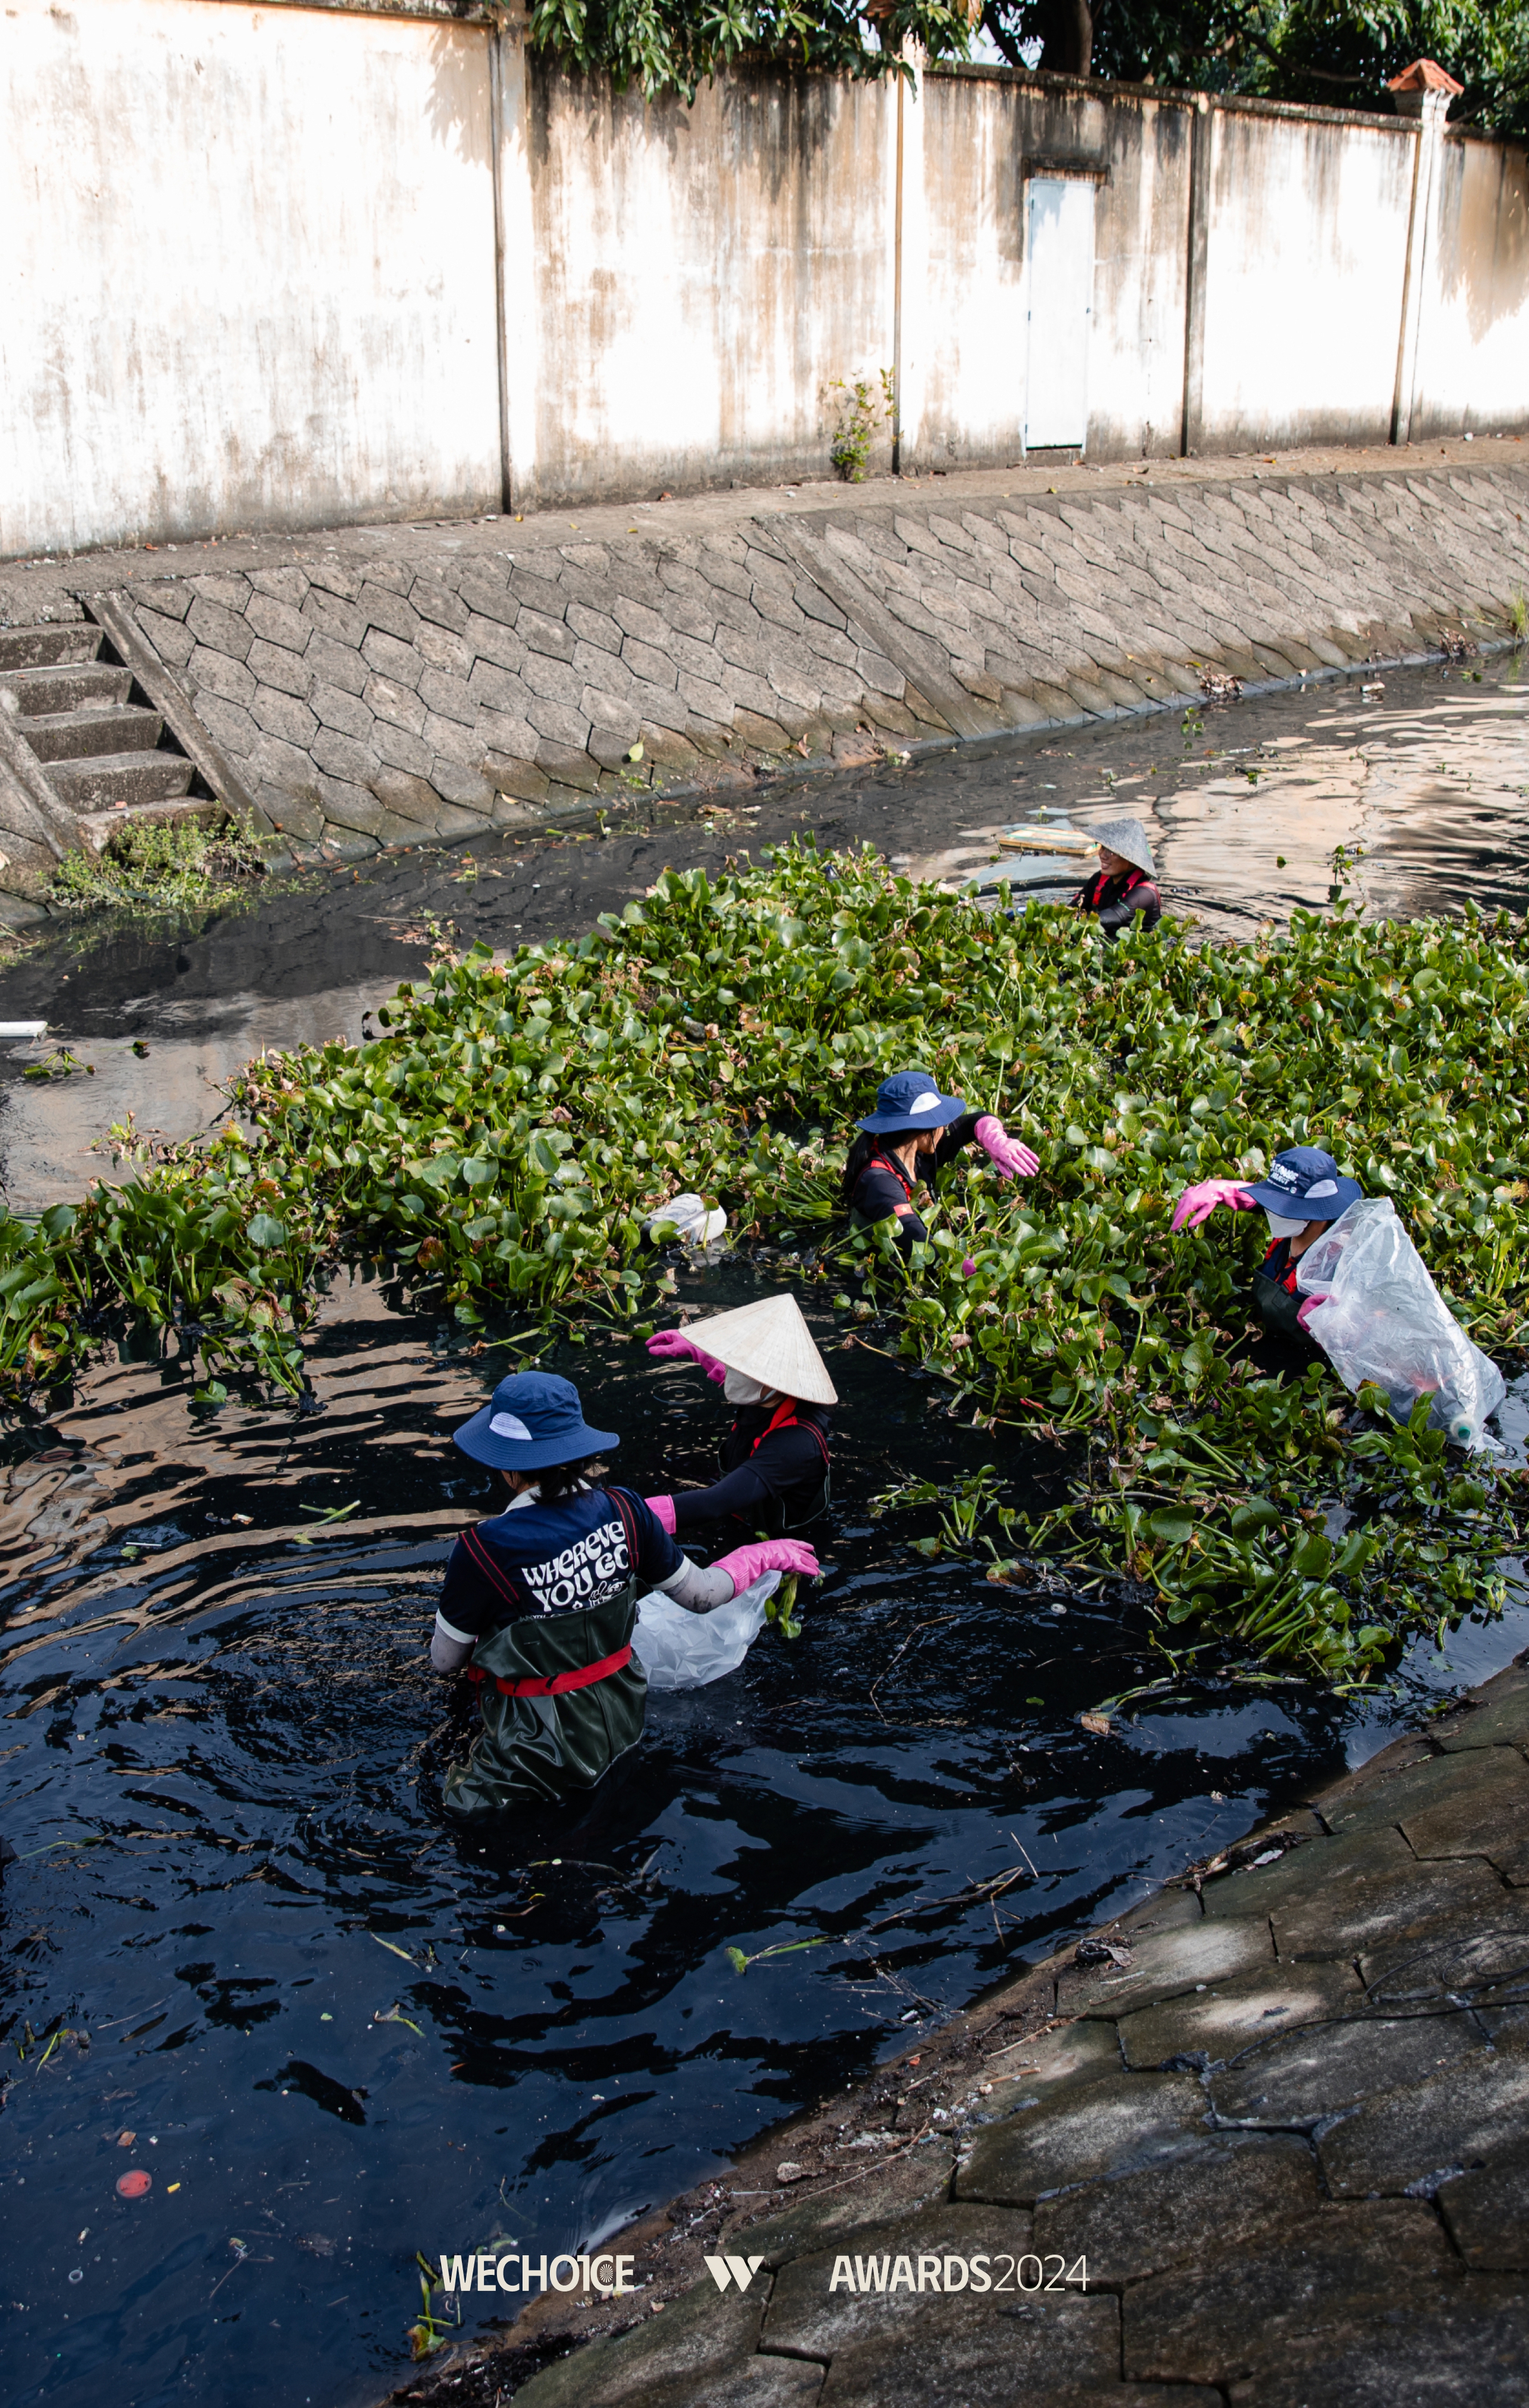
x=163 y=865
x=504 y=1139
x=858 y=410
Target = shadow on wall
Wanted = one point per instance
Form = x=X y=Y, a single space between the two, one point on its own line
x=1484 y=231
x=457 y=113
x=774 y=119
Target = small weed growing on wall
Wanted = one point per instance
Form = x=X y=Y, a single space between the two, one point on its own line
x=858 y=413
x=1518 y=616
x=160 y=865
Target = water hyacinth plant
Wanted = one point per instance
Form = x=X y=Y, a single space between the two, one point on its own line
x=504 y=1139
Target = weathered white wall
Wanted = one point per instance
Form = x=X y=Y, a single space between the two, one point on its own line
x=1306 y=256
x=248 y=275
x=701 y=274
x=1472 y=367
x=982 y=132
x=246 y=269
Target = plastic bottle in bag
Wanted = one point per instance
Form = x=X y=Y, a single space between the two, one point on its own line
x=1382 y=1319
x=680 y=1650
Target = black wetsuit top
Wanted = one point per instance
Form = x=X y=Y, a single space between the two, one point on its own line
x=1116 y=901
x=883 y=1187
x=770 y=1476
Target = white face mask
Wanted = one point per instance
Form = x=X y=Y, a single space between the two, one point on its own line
x=1282 y=1228
x=740 y=1389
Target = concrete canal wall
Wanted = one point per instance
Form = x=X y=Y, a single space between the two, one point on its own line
x=273 y=266
x=388 y=688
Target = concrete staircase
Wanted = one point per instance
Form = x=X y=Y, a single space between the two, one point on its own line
x=94 y=734
x=100 y=745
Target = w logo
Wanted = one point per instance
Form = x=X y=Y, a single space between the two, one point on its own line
x=740 y=2270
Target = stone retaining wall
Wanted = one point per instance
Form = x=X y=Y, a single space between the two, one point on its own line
x=376 y=704
x=393 y=686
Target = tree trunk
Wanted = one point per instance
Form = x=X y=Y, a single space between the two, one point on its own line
x=1066 y=28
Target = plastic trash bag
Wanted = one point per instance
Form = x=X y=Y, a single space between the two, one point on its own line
x=686 y=1217
x=680 y=1650
x=1386 y=1322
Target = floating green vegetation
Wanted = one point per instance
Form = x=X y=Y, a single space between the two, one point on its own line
x=502 y=1141
x=161 y=864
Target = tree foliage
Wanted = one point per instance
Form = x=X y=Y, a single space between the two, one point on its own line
x=674 y=45
x=1337 y=53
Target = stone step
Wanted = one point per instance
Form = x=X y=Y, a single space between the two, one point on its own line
x=94 y=734
x=100 y=828
x=31 y=648
x=65 y=685
x=99 y=783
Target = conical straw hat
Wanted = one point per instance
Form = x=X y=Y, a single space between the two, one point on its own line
x=769 y=1342
x=1128 y=837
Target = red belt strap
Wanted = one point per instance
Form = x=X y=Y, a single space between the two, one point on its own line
x=582 y=1677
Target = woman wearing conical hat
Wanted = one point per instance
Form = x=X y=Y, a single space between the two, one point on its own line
x=1120 y=894
x=775 y=1458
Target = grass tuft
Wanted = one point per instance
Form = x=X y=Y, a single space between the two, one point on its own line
x=161 y=866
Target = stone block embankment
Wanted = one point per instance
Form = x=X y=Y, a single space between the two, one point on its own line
x=1265 y=2138
x=390 y=686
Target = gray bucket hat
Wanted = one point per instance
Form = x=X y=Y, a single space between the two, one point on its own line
x=1128 y=837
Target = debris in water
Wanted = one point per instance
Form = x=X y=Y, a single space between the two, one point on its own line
x=1095 y=1951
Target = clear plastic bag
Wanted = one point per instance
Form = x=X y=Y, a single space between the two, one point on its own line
x=680 y=1650
x=1385 y=1321
x=686 y=1217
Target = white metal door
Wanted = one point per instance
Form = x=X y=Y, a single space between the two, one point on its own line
x=1058 y=249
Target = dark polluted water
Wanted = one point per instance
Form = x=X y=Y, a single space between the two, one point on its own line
x=245 y=1958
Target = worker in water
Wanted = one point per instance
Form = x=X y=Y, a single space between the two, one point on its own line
x=1303 y=1193
x=913 y=1132
x=1121 y=894
x=540 y=1601
x=774 y=1460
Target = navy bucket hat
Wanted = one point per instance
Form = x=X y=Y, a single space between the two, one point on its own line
x=532 y=1421
x=1305 y=1184
x=911 y=1099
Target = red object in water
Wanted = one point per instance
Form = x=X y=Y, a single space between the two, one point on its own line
x=135 y=2184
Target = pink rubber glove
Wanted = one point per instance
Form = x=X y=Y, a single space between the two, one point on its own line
x=1198 y=1203
x=1005 y=1154
x=1307 y=1310
x=662 y=1510
x=745 y=1565
x=671 y=1345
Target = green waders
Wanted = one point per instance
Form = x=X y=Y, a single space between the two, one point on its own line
x=544 y=1733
